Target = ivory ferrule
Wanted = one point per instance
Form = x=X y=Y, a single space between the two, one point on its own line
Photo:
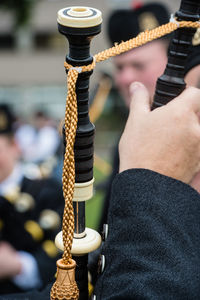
x=79 y=17
x=83 y=191
x=87 y=244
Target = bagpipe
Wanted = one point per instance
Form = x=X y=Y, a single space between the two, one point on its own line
x=79 y=25
x=172 y=83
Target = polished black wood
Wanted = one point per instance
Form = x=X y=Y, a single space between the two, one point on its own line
x=171 y=83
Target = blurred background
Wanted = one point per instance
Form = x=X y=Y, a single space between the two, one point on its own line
x=32 y=51
x=32 y=76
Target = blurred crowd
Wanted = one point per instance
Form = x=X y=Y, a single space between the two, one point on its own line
x=39 y=142
x=31 y=200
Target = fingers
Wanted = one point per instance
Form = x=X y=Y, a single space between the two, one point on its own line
x=191 y=97
x=140 y=99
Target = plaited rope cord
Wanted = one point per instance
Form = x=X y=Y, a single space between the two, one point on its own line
x=68 y=166
x=71 y=118
x=141 y=39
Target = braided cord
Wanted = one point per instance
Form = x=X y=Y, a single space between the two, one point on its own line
x=68 y=166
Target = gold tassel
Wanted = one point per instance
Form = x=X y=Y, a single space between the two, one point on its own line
x=65 y=287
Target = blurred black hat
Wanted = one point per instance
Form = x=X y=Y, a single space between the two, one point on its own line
x=125 y=24
x=193 y=59
x=6 y=119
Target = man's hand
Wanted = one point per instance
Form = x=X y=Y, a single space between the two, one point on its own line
x=166 y=140
x=10 y=265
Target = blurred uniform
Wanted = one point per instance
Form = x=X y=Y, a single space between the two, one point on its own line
x=40 y=142
x=30 y=215
x=41 y=145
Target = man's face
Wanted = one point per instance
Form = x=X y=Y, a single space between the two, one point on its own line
x=9 y=154
x=144 y=64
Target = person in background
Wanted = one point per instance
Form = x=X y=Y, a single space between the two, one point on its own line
x=144 y=64
x=30 y=217
x=40 y=144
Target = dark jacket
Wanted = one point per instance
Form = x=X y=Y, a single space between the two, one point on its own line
x=20 y=228
x=153 y=246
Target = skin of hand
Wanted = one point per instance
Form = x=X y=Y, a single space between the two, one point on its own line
x=9 y=261
x=165 y=140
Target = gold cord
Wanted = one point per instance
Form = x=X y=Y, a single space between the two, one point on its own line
x=68 y=166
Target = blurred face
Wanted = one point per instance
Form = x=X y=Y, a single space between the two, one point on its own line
x=9 y=154
x=144 y=64
x=192 y=78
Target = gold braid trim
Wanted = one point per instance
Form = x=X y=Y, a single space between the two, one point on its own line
x=69 y=167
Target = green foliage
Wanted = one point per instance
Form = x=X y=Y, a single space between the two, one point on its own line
x=94 y=206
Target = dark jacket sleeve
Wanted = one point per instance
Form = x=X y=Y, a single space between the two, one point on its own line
x=153 y=246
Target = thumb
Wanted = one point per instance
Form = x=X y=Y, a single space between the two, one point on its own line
x=140 y=99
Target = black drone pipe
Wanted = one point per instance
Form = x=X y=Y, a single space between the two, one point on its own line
x=171 y=83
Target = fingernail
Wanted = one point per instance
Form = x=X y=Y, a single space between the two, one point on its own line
x=135 y=85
